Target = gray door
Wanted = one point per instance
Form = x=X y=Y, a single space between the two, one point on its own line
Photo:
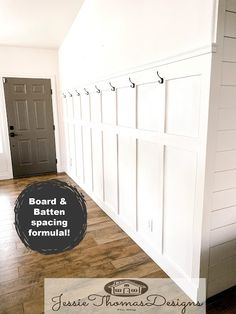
x=30 y=125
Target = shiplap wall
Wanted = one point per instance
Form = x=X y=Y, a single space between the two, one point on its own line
x=222 y=263
x=140 y=154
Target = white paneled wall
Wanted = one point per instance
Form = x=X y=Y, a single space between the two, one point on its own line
x=126 y=98
x=110 y=156
x=183 y=106
x=150 y=191
x=160 y=159
x=127 y=179
x=139 y=152
x=150 y=116
x=222 y=264
x=179 y=206
x=97 y=166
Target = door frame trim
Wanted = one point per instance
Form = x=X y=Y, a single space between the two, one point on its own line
x=8 y=174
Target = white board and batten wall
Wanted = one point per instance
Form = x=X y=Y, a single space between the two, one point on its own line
x=139 y=153
x=152 y=158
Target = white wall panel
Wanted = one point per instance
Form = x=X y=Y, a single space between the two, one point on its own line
x=231 y=5
x=126 y=106
x=227 y=119
x=222 y=257
x=64 y=108
x=222 y=276
x=70 y=109
x=225 y=198
x=228 y=73
x=150 y=190
x=77 y=108
x=96 y=109
x=223 y=234
x=87 y=157
x=183 y=106
x=110 y=170
x=224 y=180
x=230 y=22
x=79 y=153
x=229 y=53
x=85 y=107
x=222 y=251
x=179 y=200
x=223 y=217
x=226 y=140
x=225 y=269
x=127 y=179
x=225 y=160
x=97 y=149
x=227 y=97
x=150 y=107
x=109 y=107
x=220 y=284
x=66 y=135
x=71 y=138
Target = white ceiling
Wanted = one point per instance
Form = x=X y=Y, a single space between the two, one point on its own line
x=36 y=23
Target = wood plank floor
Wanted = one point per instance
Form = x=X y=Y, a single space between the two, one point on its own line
x=106 y=251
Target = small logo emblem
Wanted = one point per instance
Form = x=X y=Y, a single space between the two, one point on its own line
x=126 y=288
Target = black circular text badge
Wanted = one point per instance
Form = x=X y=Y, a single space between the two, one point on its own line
x=50 y=217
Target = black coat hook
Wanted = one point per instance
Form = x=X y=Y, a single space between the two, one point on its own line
x=64 y=95
x=132 y=84
x=86 y=92
x=112 y=87
x=161 y=81
x=97 y=89
x=69 y=94
x=77 y=93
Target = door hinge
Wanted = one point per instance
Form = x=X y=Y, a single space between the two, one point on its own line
x=4 y=80
x=56 y=160
x=53 y=127
x=51 y=91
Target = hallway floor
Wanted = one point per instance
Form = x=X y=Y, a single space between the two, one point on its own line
x=106 y=251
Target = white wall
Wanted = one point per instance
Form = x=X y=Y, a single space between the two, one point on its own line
x=109 y=35
x=25 y=62
x=222 y=254
x=28 y=60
